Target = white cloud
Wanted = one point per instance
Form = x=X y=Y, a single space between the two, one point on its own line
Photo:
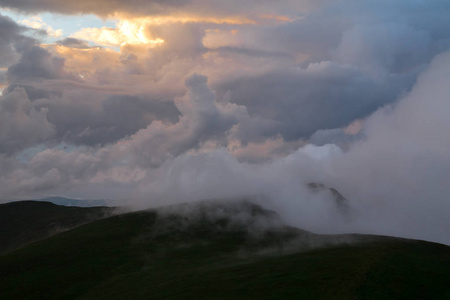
x=36 y=22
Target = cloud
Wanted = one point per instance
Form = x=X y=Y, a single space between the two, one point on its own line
x=102 y=119
x=384 y=48
x=399 y=172
x=328 y=88
x=323 y=95
x=36 y=22
x=22 y=124
x=126 y=32
x=336 y=136
x=395 y=178
x=158 y=7
x=36 y=63
x=73 y=43
x=201 y=119
x=280 y=184
x=12 y=39
x=83 y=113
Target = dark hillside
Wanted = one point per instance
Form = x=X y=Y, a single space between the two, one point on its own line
x=23 y=222
x=220 y=251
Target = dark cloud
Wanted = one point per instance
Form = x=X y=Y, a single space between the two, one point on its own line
x=336 y=136
x=202 y=119
x=159 y=7
x=387 y=31
x=246 y=52
x=34 y=93
x=21 y=123
x=12 y=40
x=116 y=118
x=73 y=43
x=100 y=7
x=354 y=58
x=2 y=78
x=322 y=96
x=82 y=116
x=36 y=63
x=384 y=48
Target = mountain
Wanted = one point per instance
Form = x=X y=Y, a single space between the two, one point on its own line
x=24 y=222
x=75 y=202
x=220 y=250
x=82 y=203
x=339 y=200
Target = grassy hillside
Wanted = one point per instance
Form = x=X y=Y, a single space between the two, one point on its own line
x=23 y=222
x=220 y=251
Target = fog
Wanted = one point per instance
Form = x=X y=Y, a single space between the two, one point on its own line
x=395 y=179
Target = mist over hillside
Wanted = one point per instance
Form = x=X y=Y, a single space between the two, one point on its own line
x=217 y=249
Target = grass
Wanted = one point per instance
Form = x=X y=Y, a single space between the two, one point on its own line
x=154 y=255
x=24 y=222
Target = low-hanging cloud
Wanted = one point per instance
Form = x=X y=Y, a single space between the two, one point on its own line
x=399 y=172
x=395 y=179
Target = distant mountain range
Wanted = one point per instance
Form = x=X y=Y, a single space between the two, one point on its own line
x=204 y=250
x=81 y=203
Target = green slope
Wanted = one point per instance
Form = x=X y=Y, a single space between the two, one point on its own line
x=220 y=251
x=23 y=222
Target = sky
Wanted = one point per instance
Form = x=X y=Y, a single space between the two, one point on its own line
x=160 y=102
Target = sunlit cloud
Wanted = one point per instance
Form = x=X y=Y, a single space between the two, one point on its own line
x=137 y=30
x=191 y=19
x=125 y=32
x=354 y=128
x=36 y=22
x=278 y=18
x=80 y=61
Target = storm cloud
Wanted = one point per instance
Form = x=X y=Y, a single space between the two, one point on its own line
x=12 y=41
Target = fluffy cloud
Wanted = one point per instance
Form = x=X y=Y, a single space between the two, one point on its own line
x=323 y=95
x=22 y=124
x=202 y=119
x=101 y=119
x=12 y=39
x=395 y=179
x=383 y=48
x=35 y=64
x=399 y=173
x=294 y=78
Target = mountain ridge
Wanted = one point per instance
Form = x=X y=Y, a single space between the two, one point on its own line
x=23 y=222
x=220 y=250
